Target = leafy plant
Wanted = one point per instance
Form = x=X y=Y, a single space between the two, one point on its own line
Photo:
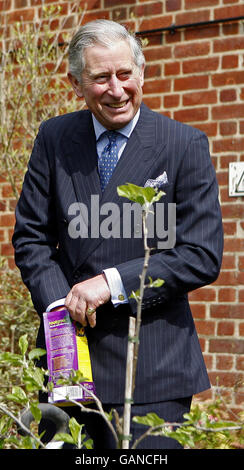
x=75 y=438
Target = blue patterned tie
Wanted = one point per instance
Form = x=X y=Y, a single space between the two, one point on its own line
x=108 y=160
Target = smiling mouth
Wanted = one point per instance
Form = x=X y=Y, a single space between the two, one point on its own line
x=118 y=105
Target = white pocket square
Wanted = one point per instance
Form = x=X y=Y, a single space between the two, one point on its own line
x=158 y=182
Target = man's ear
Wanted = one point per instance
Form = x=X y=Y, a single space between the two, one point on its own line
x=142 y=74
x=76 y=85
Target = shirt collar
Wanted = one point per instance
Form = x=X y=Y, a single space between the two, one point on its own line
x=126 y=130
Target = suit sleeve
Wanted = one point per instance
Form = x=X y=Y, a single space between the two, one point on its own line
x=35 y=236
x=195 y=259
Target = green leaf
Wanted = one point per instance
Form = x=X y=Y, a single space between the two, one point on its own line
x=33 y=378
x=88 y=444
x=151 y=419
x=23 y=344
x=157 y=283
x=62 y=436
x=5 y=423
x=75 y=429
x=13 y=359
x=36 y=412
x=141 y=195
x=135 y=295
x=18 y=395
x=36 y=353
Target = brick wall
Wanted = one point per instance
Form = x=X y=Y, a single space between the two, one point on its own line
x=195 y=76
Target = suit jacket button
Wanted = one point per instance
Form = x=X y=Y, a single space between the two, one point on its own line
x=76 y=275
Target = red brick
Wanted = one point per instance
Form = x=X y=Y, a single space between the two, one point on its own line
x=117 y=3
x=228 y=12
x=228 y=128
x=20 y=3
x=191 y=115
x=198 y=310
x=156 y=22
x=191 y=83
x=5 y=5
x=231 y=346
x=146 y=10
x=193 y=49
x=2 y=236
x=241 y=329
x=7 y=220
x=206 y=293
x=193 y=17
x=240 y=363
x=210 y=128
x=157 y=86
x=228 y=261
x=203 y=32
x=224 y=362
x=153 y=102
x=234 y=244
x=95 y=15
x=7 y=249
x=173 y=38
x=172 y=68
x=205 y=327
x=228 y=44
x=241 y=295
x=241 y=127
x=225 y=328
x=157 y=53
x=227 y=311
x=222 y=177
x=3 y=205
x=228 y=111
x=226 y=159
x=228 y=95
x=191 y=4
x=229 y=29
x=227 y=295
x=7 y=190
x=119 y=15
x=173 y=5
x=228 y=145
x=225 y=379
x=241 y=263
x=200 y=65
x=21 y=15
x=171 y=101
x=208 y=359
x=153 y=70
x=91 y=4
x=200 y=97
x=230 y=61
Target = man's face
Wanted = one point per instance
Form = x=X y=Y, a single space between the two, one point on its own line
x=111 y=84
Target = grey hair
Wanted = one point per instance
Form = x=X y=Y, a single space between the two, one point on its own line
x=104 y=33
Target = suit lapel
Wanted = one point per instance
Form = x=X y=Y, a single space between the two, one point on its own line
x=79 y=148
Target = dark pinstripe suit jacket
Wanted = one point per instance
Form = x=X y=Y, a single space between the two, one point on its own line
x=63 y=170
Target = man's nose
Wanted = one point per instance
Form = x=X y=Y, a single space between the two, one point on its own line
x=115 y=87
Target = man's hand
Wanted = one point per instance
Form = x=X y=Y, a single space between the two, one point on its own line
x=84 y=298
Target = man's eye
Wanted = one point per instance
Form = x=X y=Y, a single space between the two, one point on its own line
x=125 y=75
x=101 y=79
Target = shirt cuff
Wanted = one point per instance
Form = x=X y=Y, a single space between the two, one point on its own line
x=118 y=294
x=57 y=303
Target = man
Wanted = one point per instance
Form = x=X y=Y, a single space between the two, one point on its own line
x=93 y=275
